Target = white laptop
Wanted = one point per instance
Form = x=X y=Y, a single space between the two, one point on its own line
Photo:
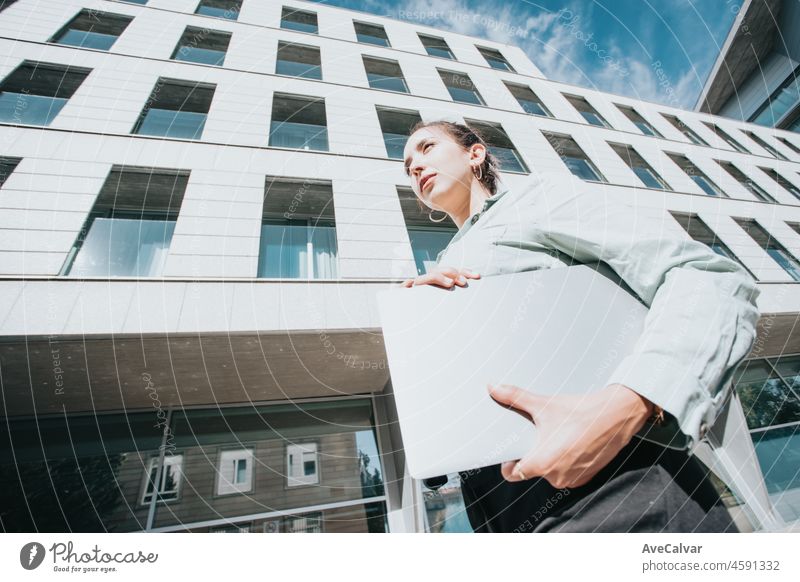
x=553 y=331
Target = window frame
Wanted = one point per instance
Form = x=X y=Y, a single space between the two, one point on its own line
x=315 y=479
x=308 y=99
x=90 y=13
x=285 y=45
x=771 y=244
x=642 y=119
x=512 y=87
x=749 y=184
x=422 y=36
x=499 y=131
x=600 y=178
x=379 y=110
x=571 y=99
x=290 y=11
x=357 y=23
x=687 y=131
x=628 y=160
x=146 y=498
x=158 y=90
x=719 y=193
x=202 y=3
x=224 y=488
x=481 y=101
x=503 y=60
x=180 y=46
x=370 y=60
x=694 y=218
x=726 y=137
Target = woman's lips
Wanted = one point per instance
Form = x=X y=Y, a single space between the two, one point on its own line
x=425 y=181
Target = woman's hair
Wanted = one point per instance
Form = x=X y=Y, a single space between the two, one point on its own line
x=465 y=136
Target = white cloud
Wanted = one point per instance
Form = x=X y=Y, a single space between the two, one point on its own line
x=562 y=45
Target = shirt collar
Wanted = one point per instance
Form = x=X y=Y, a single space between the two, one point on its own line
x=501 y=191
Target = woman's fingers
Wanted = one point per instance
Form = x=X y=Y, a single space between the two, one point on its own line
x=518 y=398
x=528 y=467
x=507 y=470
x=445 y=277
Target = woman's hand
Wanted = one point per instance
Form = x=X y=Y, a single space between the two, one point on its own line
x=576 y=435
x=443 y=277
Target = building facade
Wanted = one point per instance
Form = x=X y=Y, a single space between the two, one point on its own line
x=755 y=76
x=200 y=199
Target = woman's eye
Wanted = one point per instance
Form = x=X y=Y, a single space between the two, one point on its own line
x=427 y=145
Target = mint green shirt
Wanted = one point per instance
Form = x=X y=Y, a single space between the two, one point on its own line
x=702 y=318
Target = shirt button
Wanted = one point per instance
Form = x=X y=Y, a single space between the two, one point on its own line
x=703 y=430
x=475 y=218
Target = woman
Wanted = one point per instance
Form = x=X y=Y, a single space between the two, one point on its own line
x=589 y=471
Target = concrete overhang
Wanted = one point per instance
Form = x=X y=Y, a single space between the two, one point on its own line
x=750 y=40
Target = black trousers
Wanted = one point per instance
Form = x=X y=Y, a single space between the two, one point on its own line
x=645 y=488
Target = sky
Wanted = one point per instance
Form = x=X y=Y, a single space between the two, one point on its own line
x=655 y=50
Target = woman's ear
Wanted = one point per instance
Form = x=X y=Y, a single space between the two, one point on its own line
x=477 y=153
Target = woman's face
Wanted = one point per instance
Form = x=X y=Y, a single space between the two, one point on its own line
x=439 y=168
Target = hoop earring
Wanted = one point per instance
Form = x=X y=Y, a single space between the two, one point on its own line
x=430 y=214
x=479 y=173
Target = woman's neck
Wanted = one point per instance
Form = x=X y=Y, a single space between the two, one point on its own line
x=474 y=204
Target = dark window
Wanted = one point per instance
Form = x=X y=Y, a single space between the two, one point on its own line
x=642 y=169
x=396 y=127
x=7 y=165
x=228 y=9
x=588 y=112
x=200 y=45
x=371 y=34
x=792 y=121
x=782 y=182
x=5 y=4
x=700 y=232
x=299 y=20
x=35 y=92
x=176 y=108
x=528 y=100
x=436 y=47
x=698 y=177
x=384 y=74
x=639 y=121
x=298 y=122
x=300 y=244
x=788 y=143
x=781 y=102
x=428 y=238
x=685 y=129
x=574 y=157
x=461 y=88
x=769 y=147
x=298 y=61
x=92 y=29
x=495 y=59
x=765 y=398
x=726 y=137
x=500 y=145
x=129 y=230
x=746 y=181
x=774 y=249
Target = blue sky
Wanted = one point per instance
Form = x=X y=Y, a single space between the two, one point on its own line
x=657 y=50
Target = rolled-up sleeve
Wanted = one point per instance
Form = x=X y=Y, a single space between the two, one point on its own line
x=703 y=314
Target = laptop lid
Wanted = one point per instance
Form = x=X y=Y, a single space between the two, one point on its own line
x=553 y=331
